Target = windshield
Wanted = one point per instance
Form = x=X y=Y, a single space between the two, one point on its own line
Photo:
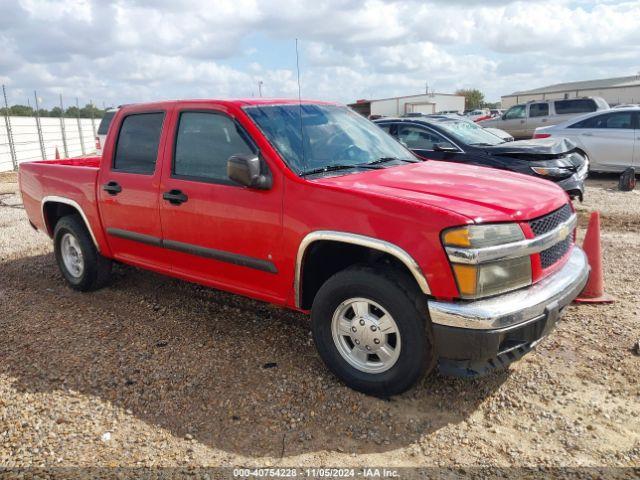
x=470 y=133
x=331 y=136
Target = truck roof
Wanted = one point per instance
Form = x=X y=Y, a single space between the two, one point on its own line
x=240 y=102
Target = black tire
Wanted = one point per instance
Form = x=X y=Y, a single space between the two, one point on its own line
x=401 y=298
x=97 y=269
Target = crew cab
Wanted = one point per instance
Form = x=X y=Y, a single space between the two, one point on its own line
x=403 y=264
x=522 y=120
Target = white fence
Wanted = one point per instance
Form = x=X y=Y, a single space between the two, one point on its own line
x=79 y=137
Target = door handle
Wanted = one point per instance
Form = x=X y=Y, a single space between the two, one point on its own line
x=112 y=188
x=175 y=197
x=521 y=121
x=544 y=120
x=587 y=134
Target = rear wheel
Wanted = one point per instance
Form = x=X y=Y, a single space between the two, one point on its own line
x=371 y=329
x=79 y=261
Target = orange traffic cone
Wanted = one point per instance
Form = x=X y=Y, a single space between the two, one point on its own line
x=593 y=291
x=57 y=153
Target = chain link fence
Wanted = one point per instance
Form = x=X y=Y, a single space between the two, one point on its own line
x=28 y=138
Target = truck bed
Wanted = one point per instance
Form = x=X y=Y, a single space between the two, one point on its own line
x=70 y=181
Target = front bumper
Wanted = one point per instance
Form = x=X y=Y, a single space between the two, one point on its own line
x=475 y=337
x=574 y=185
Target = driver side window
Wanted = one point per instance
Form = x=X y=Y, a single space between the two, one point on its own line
x=518 y=111
x=204 y=143
x=417 y=138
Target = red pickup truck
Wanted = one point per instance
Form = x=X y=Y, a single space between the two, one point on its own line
x=403 y=264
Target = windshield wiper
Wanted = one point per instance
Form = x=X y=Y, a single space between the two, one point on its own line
x=391 y=159
x=330 y=168
x=375 y=165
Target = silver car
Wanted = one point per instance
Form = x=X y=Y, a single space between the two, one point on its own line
x=521 y=121
x=610 y=139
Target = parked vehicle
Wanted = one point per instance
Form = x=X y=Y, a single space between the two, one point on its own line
x=522 y=120
x=103 y=128
x=610 y=139
x=628 y=105
x=458 y=141
x=402 y=263
x=474 y=115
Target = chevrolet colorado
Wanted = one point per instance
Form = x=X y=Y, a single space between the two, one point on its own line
x=403 y=264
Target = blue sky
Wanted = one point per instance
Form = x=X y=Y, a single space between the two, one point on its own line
x=138 y=50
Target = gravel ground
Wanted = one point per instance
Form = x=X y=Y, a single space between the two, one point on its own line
x=156 y=372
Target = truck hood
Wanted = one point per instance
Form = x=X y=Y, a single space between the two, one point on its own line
x=538 y=149
x=478 y=193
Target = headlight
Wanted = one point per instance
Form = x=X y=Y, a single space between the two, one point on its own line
x=484 y=279
x=557 y=172
x=476 y=236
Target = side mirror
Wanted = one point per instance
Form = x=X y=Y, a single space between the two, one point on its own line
x=247 y=170
x=444 y=147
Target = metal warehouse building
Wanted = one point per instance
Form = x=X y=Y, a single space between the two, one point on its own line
x=614 y=90
x=425 y=103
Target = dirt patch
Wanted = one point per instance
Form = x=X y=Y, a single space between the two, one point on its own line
x=154 y=371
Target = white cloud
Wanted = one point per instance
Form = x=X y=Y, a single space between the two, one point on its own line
x=137 y=50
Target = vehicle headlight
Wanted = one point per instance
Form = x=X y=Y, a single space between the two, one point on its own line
x=477 y=280
x=557 y=172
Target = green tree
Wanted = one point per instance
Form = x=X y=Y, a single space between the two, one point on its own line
x=20 y=111
x=72 y=112
x=90 y=110
x=55 y=112
x=473 y=98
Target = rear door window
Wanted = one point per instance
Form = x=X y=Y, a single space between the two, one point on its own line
x=620 y=120
x=539 y=110
x=579 y=105
x=417 y=138
x=137 y=146
x=385 y=126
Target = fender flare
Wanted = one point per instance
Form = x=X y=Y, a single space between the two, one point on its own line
x=361 y=240
x=71 y=203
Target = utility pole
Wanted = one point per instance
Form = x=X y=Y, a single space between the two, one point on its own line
x=80 y=127
x=62 y=127
x=43 y=151
x=260 y=82
x=93 y=120
x=7 y=119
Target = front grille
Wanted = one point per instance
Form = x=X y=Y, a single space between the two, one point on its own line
x=546 y=223
x=552 y=254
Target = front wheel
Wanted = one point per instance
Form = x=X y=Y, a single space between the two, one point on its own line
x=372 y=330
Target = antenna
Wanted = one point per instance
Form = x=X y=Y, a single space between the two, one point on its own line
x=300 y=107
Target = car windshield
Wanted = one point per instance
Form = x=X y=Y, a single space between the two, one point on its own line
x=327 y=136
x=470 y=133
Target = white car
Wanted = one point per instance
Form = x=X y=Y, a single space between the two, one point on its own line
x=478 y=113
x=103 y=128
x=610 y=138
